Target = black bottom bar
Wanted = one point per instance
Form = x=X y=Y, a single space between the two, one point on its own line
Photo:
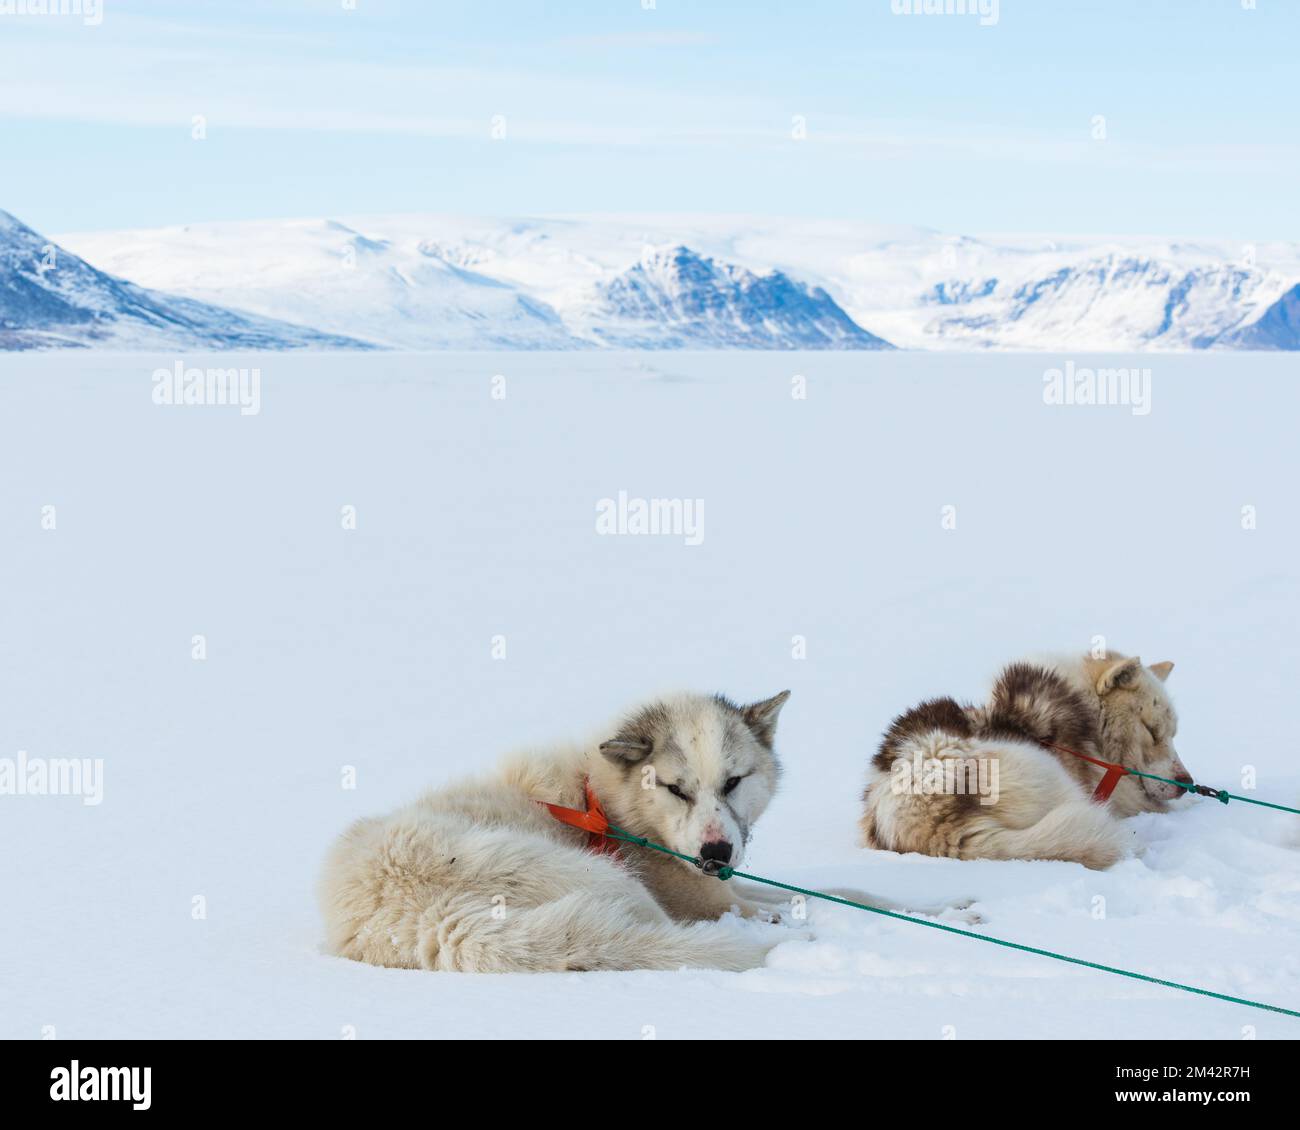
x=333 y=1079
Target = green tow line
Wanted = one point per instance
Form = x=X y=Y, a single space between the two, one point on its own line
x=1221 y=795
x=709 y=867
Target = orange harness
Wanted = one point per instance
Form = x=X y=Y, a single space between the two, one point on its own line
x=1107 y=784
x=594 y=821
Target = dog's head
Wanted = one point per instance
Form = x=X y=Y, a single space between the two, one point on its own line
x=1138 y=724
x=696 y=772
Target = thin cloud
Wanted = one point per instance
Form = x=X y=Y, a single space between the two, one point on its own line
x=639 y=39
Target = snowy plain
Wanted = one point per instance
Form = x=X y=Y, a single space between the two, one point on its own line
x=373 y=649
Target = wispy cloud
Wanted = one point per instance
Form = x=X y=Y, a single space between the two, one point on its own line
x=640 y=39
x=623 y=107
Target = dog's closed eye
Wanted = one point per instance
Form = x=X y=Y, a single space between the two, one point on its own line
x=677 y=792
x=731 y=784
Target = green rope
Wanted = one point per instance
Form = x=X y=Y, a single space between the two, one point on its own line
x=1218 y=794
x=727 y=873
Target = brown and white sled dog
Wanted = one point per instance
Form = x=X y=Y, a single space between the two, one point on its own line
x=995 y=791
x=480 y=877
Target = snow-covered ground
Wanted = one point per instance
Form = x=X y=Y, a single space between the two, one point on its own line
x=475 y=518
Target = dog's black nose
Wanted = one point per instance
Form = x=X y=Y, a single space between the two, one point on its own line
x=718 y=850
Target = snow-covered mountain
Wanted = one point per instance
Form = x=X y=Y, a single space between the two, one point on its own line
x=1277 y=328
x=408 y=283
x=675 y=298
x=50 y=298
x=395 y=290
x=445 y=282
x=1110 y=298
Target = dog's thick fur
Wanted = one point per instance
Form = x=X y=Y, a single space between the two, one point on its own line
x=480 y=877
x=1111 y=708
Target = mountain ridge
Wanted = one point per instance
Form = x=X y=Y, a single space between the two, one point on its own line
x=52 y=298
x=704 y=282
x=677 y=298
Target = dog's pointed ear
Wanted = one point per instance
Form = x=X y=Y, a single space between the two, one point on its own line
x=1118 y=673
x=1161 y=670
x=625 y=751
x=761 y=717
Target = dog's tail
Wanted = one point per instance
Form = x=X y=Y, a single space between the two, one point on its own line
x=1029 y=701
x=580 y=931
x=1080 y=832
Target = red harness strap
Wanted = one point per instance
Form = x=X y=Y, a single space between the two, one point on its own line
x=1114 y=773
x=594 y=822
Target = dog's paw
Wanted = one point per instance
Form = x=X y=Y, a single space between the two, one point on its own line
x=955 y=912
x=758 y=912
x=959 y=913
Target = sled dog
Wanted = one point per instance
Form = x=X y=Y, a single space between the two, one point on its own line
x=1111 y=708
x=480 y=877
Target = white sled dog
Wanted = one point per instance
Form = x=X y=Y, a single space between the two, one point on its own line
x=480 y=877
x=1112 y=708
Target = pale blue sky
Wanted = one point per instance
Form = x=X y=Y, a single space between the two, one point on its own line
x=313 y=109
